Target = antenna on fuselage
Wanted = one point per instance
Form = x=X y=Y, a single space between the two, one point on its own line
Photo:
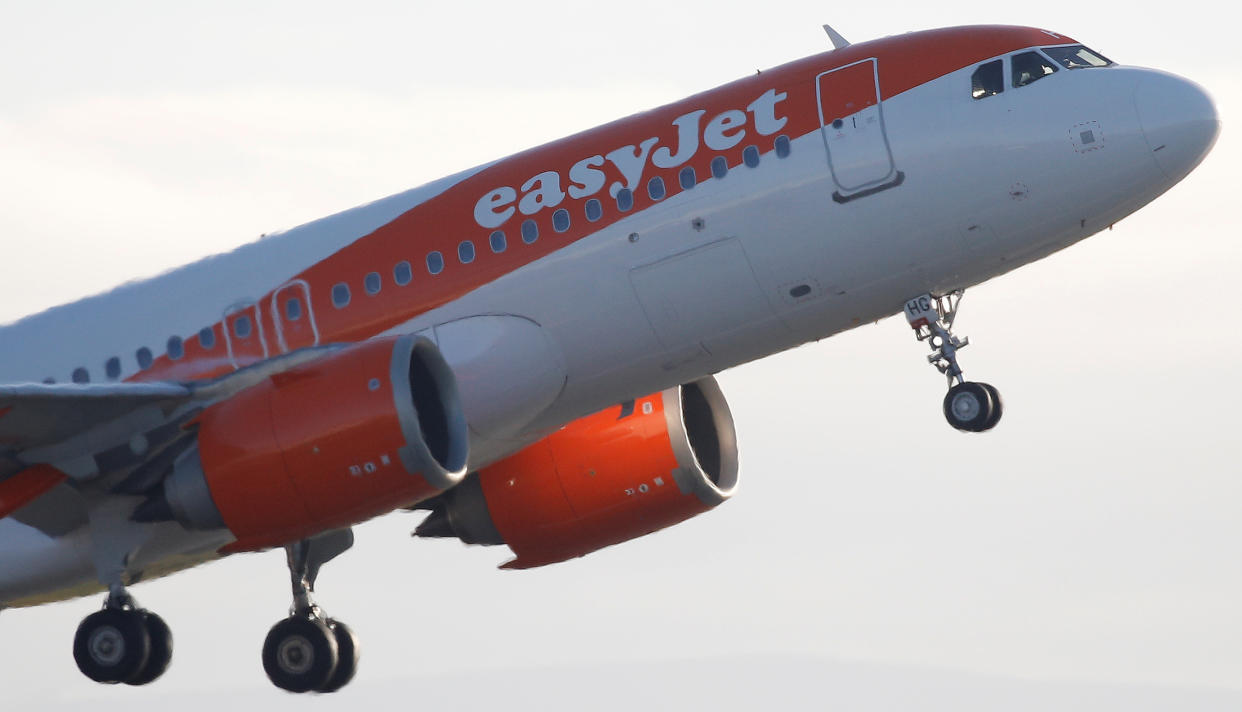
x=837 y=40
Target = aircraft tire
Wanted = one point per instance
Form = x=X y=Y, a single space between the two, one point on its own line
x=998 y=407
x=300 y=654
x=161 y=650
x=112 y=645
x=968 y=406
x=347 y=662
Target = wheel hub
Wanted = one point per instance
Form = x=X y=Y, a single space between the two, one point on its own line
x=107 y=646
x=296 y=655
x=965 y=406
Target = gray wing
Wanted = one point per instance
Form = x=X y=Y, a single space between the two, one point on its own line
x=67 y=424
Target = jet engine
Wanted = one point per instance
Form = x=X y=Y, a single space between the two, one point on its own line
x=326 y=444
x=607 y=478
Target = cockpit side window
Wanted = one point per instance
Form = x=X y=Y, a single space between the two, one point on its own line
x=1030 y=67
x=1076 y=57
x=988 y=80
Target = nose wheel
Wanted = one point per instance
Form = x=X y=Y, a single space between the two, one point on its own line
x=973 y=407
x=968 y=406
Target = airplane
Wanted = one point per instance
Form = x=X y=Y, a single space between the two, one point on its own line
x=526 y=349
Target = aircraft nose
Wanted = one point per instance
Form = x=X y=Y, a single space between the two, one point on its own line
x=1179 y=120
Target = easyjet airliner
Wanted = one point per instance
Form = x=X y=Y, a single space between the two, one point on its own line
x=525 y=349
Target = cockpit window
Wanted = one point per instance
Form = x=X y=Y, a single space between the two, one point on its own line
x=1076 y=57
x=988 y=80
x=1030 y=67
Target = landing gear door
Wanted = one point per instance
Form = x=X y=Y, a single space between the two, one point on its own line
x=294 y=317
x=851 y=118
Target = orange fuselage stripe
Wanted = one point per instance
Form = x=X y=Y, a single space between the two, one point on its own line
x=26 y=486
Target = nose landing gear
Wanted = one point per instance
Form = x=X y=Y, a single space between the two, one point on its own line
x=968 y=406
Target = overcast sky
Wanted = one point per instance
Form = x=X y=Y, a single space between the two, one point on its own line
x=1094 y=536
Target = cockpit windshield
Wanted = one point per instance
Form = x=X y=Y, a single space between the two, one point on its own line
x=1076 y=57
x=1029 y=67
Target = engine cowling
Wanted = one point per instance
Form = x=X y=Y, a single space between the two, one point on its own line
x=617 y=475
x=330 y=443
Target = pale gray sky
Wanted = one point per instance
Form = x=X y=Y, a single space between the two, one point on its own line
x=1094 y=536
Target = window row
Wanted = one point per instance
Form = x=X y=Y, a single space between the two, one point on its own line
x=528 y=230
x=403 y=272
x=144 y=357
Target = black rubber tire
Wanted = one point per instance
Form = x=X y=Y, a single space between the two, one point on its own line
x=300 y=654
x=161 y=650
x=112 y=645
x=347 y=660
x=968 y=406
x=998 y=407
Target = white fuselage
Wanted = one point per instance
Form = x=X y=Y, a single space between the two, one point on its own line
x=741 y=267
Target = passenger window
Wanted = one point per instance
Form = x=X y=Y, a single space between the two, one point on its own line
x=988 y=80
x=625 y=200
x=112 y=369
x=498 y=241
x=435 y=262
x=655 y=188
x=1076 y=57
x=241 y=327
x=81 y=375
x=560 y=220
x=340 y=295
x=750 y=156
x=782 y=147
x=176 y=349
x=720 y=167
x=530 y=231
x=402 y=274
x=144 y=357
x=293 y=309
x=594 y=210
x=465 y=252
x=686 y=178
x=372 y=283
x=207 y=337
x=1030 y=67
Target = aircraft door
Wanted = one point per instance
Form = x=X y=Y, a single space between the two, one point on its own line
x=851 y=118
x=243 y=334
x=294 y=317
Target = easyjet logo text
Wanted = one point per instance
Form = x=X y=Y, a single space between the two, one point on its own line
x=587 y=177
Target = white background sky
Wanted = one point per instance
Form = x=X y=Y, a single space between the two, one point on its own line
x=1094 y=536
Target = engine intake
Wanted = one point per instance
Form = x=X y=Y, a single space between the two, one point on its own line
x=610 y=477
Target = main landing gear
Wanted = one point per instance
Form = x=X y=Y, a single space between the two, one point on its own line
x=309 y=652
x=306 y=652
x=122 y=642
x=968 y=406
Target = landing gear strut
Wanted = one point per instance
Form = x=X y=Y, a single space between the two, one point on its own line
x=122 y=642
x=309 y=652
x=968 y=406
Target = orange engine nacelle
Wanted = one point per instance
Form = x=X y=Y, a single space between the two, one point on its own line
x=601 y=480
x=323 y=445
